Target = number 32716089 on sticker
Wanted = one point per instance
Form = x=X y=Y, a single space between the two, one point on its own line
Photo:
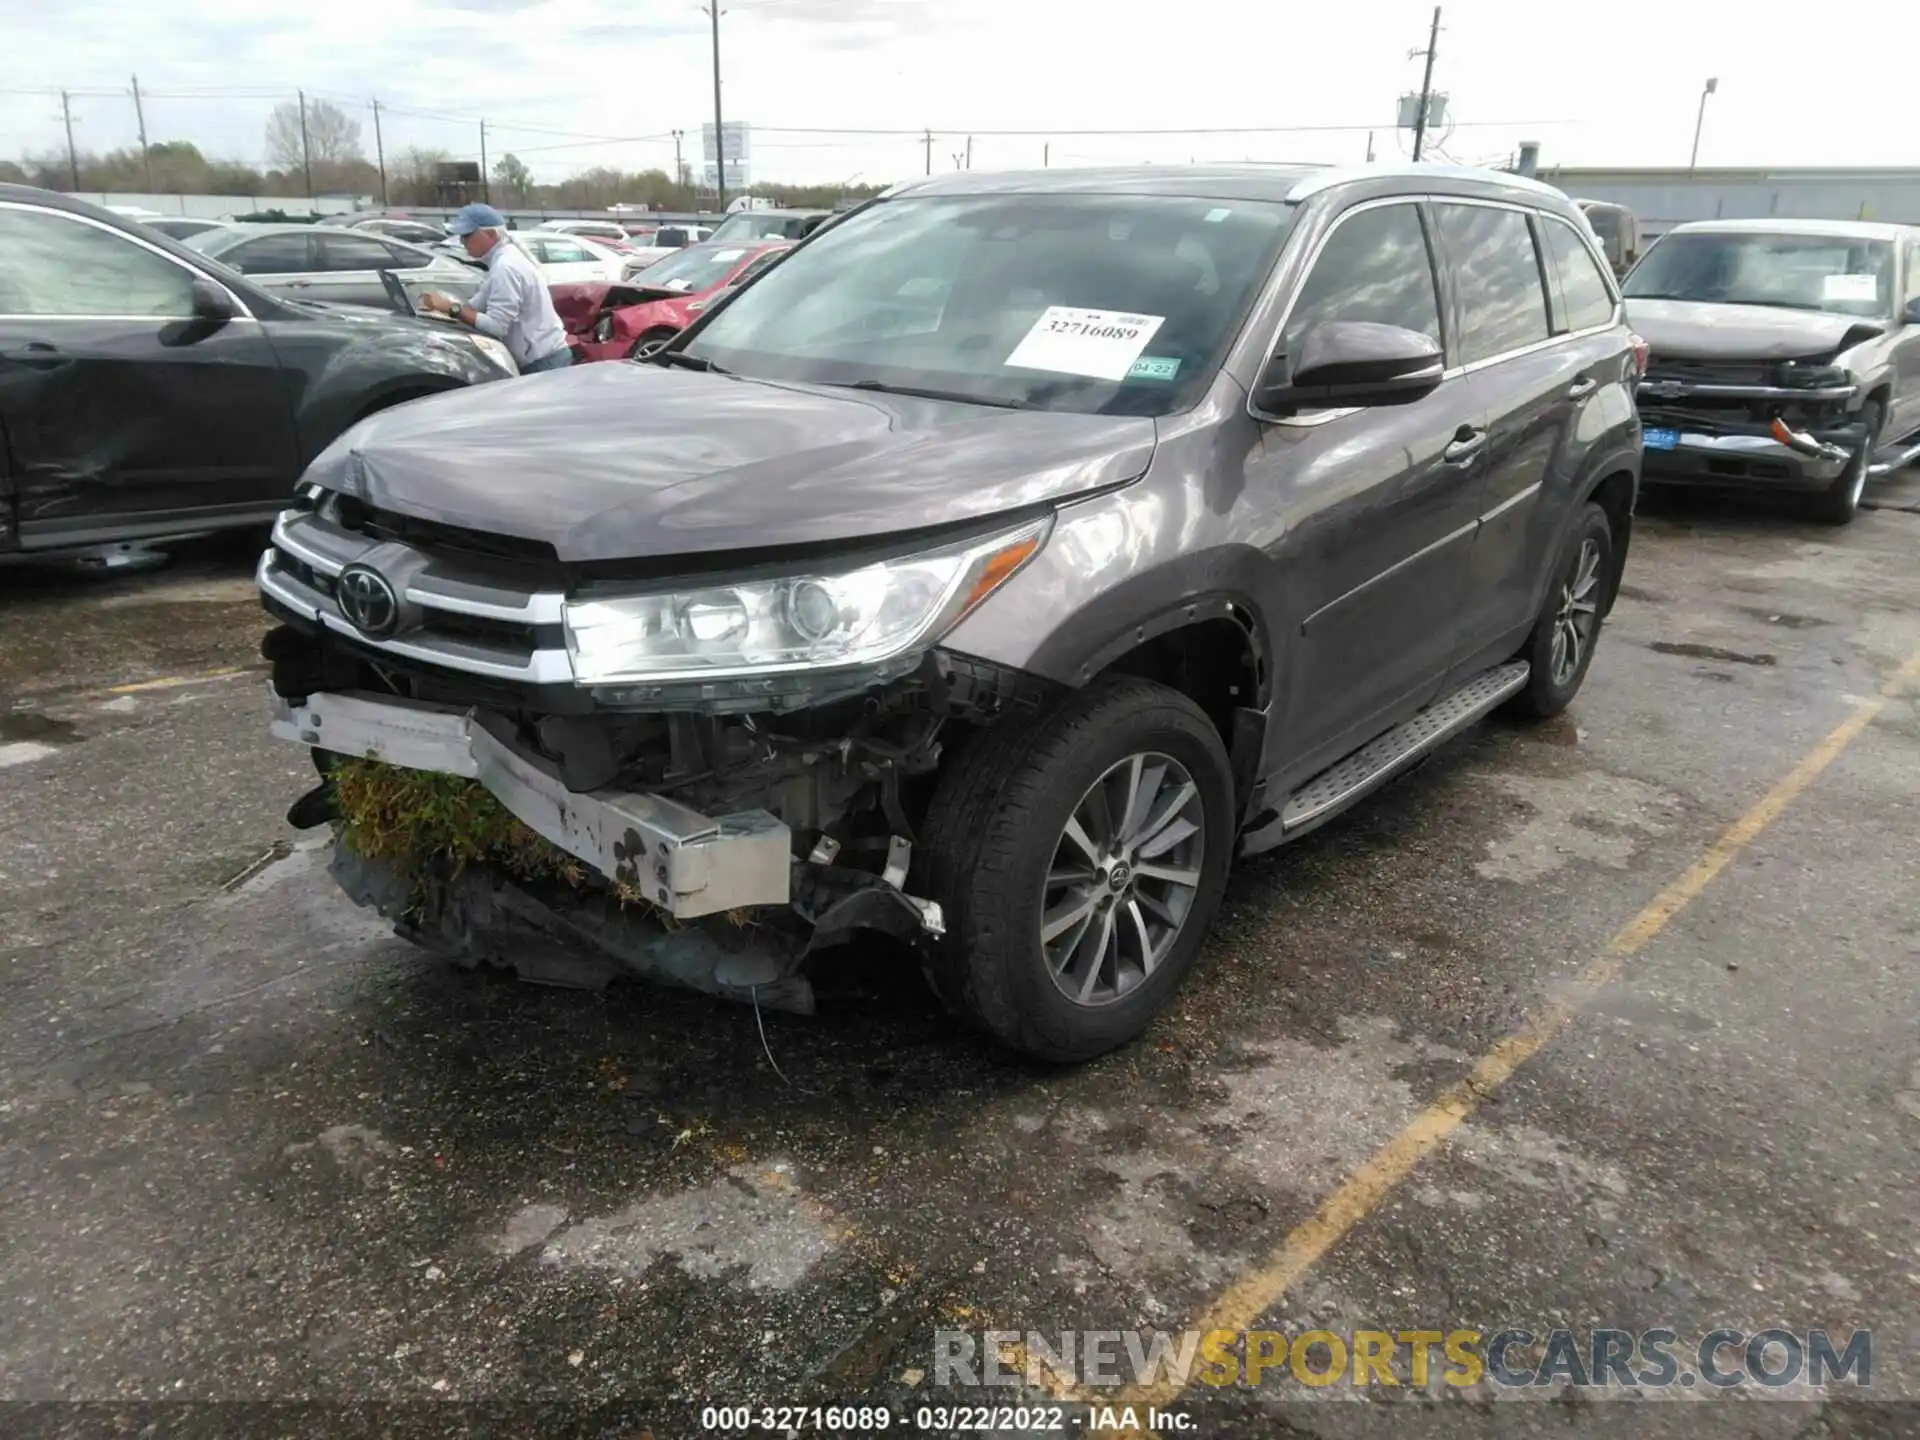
x=1099 y=344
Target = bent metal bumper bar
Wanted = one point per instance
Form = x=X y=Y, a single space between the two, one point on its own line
x=686 y=863
x=1806 y=444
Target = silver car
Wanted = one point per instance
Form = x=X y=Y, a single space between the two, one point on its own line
x=336 y=266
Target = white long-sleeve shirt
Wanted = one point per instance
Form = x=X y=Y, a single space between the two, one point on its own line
x=512 y=305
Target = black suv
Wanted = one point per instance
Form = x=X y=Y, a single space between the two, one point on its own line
x=148 y=391
x=990 y=572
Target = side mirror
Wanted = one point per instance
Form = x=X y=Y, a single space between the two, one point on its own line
x=1912 y=313
x=1352 y=362
x=211 y=302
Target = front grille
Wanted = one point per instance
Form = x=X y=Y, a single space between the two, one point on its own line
x=1712 y=372
x=475 y=615
x=433 y=537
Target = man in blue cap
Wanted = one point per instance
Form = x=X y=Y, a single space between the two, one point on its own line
x=512 y=304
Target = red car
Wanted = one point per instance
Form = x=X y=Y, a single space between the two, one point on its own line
x=627 y=321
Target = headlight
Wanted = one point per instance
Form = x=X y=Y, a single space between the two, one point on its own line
x=825 y=619
x=1813 y=376
x=496 y=352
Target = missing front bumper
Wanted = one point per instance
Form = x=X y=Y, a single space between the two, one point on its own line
x=686 y=863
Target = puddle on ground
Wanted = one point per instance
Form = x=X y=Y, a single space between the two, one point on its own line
x=31 y=727
x=1710 y=652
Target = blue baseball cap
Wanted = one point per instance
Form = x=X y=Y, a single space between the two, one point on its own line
x=476 y=217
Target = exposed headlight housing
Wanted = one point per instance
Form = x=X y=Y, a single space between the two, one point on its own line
x=1813 y=377
x=876 y=614
x=496 y=352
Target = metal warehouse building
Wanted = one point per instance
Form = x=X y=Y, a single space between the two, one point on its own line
x=1664 y=198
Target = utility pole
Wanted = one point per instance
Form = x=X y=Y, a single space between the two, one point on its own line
x=73 y=159
x=486 y=185
x=1046 y=155
x=927 y=141
x=140 y=116
x=969 y=152
x=306 y=149
x=1701 y=119
x=679 y=165
x=380 y=154
x=719 y=128
x=1369 y=147
x=1426 y=87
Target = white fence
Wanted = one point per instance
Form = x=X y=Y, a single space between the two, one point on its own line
x=218 y=207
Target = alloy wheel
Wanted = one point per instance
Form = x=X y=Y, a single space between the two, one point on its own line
x=1123 y=878
x=1579 y=613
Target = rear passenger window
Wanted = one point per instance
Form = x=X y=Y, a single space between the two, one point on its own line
x=1375 y=267
x=1497 y=272
x=1587 y=297
x=283 y=254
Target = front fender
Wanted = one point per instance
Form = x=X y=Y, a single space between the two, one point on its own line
x=1110 y=579
x=363 y=377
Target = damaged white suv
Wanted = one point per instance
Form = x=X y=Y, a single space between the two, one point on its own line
x=987 y=574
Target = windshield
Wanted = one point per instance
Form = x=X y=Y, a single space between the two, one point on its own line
x=1835 y=273
x=698 y=267
x=761 y=225
x=1103 y=304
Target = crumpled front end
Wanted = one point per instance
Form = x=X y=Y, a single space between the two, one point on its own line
x=1792 y=424
x=756 y=820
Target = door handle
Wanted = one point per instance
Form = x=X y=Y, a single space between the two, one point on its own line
x=1467 y=443
x=1582 y=388
x=296 y=284
x=38 y=355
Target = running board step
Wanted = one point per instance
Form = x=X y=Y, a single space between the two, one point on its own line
x=1900 y=460
x=1371 y=766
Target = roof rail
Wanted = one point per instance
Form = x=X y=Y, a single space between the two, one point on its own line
x=1347 y=174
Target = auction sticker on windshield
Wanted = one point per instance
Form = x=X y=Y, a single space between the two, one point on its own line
x=1100 y=344
x=1850 y=288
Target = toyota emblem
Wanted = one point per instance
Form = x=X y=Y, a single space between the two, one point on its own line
x=368 y=601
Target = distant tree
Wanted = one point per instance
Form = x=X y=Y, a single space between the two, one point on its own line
x=512 y=177
x=331 y=136
x=410 y=177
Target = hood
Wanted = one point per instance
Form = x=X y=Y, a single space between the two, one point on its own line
x=578 y=303
x=1696 y=330
x=614 y=462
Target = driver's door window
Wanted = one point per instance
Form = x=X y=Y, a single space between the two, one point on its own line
x=57 y=265
x=1374 y=266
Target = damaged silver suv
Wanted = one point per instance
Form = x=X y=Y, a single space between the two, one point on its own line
x=989 y=574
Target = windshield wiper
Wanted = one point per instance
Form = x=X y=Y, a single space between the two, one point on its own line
x=921 y=392
x=686 y=361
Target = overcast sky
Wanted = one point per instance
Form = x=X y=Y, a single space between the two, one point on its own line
x=567 y=83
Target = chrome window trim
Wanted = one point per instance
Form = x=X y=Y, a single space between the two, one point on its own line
x=1334 y=175
x=241 y=310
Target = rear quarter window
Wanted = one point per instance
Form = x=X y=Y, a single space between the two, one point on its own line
x=1586 y=297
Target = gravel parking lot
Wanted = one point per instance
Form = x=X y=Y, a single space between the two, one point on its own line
x=253 y=1149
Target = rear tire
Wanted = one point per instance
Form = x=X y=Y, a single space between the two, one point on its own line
x=1568 y=627
x=1840 y=502
x=1000 y=853
x=650 y=341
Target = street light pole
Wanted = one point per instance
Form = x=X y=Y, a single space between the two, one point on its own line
x=719 y=128
x=1701 y=119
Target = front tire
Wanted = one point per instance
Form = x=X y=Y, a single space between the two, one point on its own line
x=1079 y=857
x=1840 y=502
x=1561 y=646
x=651 y=342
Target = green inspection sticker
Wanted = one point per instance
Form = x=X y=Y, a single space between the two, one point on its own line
x=1154 y=367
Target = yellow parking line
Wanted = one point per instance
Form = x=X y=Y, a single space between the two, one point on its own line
x=1242 y=1303
x=172 y=682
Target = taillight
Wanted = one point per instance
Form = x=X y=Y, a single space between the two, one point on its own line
x=1642 y=356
